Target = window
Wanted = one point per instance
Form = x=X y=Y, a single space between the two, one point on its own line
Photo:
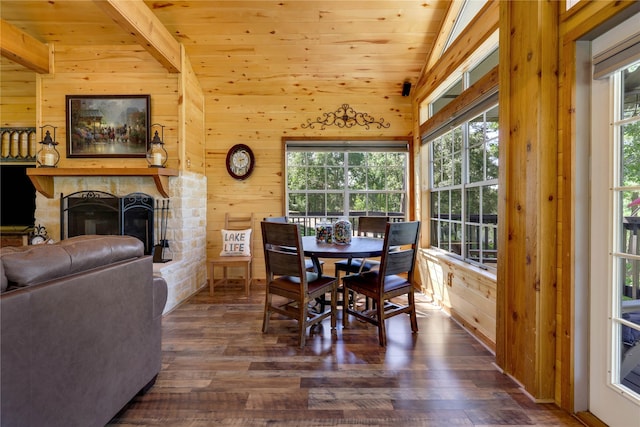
x=334 y=179
x=611 y=179
x=483 y=67
x=461 y=137
x=464 y=190
x=452 y=93
x=626 y=213
x=468 y=11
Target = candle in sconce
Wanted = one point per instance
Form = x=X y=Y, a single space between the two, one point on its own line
x=157 y=159
x=49 y=159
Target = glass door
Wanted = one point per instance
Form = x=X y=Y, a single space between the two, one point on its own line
x=615 y=245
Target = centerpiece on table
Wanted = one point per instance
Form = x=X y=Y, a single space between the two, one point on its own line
x=342 y=232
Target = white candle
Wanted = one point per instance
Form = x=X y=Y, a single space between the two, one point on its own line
x=157 y=159
x=49 y=159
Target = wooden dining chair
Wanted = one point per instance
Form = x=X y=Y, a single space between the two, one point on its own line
x=288 y=278
x=237 y=250
x=373 y=226
x=392 y=279
x=283 y=219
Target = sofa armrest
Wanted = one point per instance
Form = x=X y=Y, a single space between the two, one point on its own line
x=160 y=292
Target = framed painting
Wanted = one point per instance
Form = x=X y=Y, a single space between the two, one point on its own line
x=108 y=125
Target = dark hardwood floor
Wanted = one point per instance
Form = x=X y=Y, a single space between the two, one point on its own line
x=219 y=369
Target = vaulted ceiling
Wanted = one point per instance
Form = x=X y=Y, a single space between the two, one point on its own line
x=359 y=44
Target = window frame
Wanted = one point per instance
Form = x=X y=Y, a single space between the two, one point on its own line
x=476 y=99
x=485 y=225
x=346 y=146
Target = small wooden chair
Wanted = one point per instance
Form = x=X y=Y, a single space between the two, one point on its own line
x=235 y=252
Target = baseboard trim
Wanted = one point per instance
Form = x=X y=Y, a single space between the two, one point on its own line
x=590 y=420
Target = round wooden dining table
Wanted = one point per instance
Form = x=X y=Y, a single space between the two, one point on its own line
x=360 y=247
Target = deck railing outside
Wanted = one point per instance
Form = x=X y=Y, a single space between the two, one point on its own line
x=308 y=223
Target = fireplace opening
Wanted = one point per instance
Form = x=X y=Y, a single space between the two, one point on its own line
x=98 y=212
x=17 y=196
x=137 y=215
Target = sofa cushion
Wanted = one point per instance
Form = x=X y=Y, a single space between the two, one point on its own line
x=4 y=282
x=87 y=252
x=35 y=264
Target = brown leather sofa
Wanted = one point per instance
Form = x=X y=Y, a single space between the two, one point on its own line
x=80 y=325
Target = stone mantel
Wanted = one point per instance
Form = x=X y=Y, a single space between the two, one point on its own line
x=42 y=178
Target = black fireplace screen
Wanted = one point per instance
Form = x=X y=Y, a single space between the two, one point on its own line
x=97 y=212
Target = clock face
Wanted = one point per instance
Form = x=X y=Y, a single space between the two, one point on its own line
x=37 y=240
x=240 y=161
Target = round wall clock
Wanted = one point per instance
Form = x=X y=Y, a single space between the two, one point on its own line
x=240 y=161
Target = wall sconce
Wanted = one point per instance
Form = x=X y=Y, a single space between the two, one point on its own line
x=157 y=155
x=48 y=156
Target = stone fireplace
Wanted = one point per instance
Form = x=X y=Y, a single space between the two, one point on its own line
x=185 y=225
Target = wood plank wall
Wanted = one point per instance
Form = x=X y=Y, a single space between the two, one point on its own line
x=191 y=144
x=109 y=70
x=260 y=121
x=528 y=184
x=18 y=89
x=465 y=292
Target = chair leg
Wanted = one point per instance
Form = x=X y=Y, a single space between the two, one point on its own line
x=382 y=330
x=267 y=312
x=334 y=306
x=212 y=280
x=302 y=324
x=247 y=279
x=340 y=287
x=412 y=314
x=345 y=308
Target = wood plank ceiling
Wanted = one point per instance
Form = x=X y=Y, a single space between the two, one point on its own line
x=365 y=46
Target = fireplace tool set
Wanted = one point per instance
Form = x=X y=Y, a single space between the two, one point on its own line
x=161 y=250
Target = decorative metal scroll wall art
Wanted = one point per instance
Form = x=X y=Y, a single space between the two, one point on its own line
x=345 y=117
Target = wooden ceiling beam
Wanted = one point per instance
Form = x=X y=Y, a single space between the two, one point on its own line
x=137 y=19
x=482 y=27
x=443 y=35
x=23 y=49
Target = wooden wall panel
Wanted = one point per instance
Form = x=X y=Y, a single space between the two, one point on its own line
x=138 y=74
x=466 y=293
x=528 y=183
x=261 y=122
x=18 y=89
x=191 y=117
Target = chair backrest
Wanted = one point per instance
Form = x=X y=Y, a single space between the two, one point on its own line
x=373 y=226
x=400 y=248
x=283 y=253
x=240 y=221
x=276 y=219
x=234 y=221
